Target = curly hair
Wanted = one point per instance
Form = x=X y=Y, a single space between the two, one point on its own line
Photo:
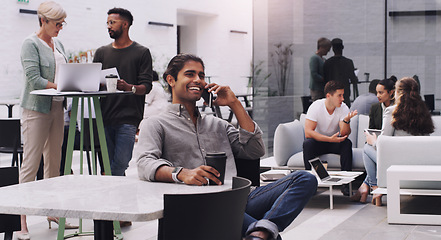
x=411 y=113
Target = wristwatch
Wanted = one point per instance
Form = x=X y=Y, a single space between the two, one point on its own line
x=133 y=89
x=347 y=122
x=175 y=173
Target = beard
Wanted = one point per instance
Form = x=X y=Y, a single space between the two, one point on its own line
x=115 y=34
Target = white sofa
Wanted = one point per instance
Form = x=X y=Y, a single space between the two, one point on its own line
x=410 y=150
x=289 y=137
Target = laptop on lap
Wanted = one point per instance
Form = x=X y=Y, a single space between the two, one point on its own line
x=321 y=172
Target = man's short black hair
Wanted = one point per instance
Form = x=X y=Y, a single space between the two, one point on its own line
x=177 y=63
x=332 y=86
x=337 y=43
x=123 y=13
x=373 y=86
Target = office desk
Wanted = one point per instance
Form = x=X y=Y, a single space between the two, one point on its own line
x=102 y=198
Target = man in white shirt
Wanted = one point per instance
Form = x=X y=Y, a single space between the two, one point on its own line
x=327 y=127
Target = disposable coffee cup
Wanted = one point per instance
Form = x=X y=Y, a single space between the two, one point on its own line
x=217 y=160
x=111 y=82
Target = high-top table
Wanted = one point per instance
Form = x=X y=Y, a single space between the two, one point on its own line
x=91 y=98
x=102 y=198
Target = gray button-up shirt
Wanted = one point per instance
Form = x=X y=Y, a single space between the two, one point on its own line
x=172 y=139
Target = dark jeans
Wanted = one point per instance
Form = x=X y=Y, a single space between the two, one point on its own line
x=313 y=148
x=279 y=202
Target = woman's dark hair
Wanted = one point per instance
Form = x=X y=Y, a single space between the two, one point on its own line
x=123 y=13
x=411 y=113
x=389 y=83
x=177 y=63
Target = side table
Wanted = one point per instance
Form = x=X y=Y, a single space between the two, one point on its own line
x=397 y=173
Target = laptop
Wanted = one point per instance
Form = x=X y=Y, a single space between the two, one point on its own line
x=321 y=172
x=78 y=77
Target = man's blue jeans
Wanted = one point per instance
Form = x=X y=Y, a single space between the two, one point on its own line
x=280 y=202
x=120 y=140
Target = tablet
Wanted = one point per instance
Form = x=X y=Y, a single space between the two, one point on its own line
x=371 y=131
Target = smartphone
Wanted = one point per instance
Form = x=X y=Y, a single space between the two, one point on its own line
x=208 y=97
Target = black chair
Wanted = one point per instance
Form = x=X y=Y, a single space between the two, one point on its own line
x=214 y=216
x=249 y=169
x=429 y=99
x=306 y=102
x=10 y=139
x=9 y=223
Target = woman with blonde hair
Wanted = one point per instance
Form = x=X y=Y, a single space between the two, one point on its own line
x=42 y=116
x=409 y=117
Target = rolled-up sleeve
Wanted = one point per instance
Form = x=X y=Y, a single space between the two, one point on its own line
x=148 y=151
x=248 y=145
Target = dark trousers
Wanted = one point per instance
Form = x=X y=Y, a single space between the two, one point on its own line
x=313 y=148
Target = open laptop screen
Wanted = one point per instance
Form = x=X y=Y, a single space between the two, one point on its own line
x=319 y=168
x=78 y=77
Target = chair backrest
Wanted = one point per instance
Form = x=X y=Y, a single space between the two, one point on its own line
x=10 y=135
x=214 y=216
x=288 y=140
x=249 y=169
x=429 y=99
x=9 y=176
x=306 y=102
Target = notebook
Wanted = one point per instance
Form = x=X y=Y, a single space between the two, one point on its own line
x=273 y=175
x=78 y=77
x=321 y=172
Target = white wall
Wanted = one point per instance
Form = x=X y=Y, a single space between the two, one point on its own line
x=226 y=55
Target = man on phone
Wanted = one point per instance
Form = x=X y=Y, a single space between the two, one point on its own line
x=327 y=128
x=172 y=148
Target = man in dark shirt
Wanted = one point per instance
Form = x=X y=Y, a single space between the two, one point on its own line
x=341 y=69
x=123 y=113
x=316 y=78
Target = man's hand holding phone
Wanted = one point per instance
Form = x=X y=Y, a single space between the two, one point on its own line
x=208 y=97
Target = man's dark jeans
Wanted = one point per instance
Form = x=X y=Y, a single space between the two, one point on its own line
x=313 y=148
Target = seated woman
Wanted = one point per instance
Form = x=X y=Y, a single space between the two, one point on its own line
x=385 y=91
x=409 y=117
